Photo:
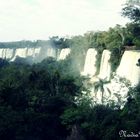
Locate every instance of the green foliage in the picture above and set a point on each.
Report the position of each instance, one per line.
(3, 62)
(132, 12)
(35, 97)
(102, 122)
(134, 33)
(98, 122)
(115, 58)
(59, 43)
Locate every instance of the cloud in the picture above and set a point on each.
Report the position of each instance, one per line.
(39, 19)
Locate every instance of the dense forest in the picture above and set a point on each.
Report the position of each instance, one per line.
(49, 100)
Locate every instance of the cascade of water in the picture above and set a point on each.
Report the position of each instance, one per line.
(6, 53)
(1, 53)
(113, 92)
(30, 52)
(25, 52)
(90, 61)
(51, 52)
(128, 67)
(105, 68)
(64, 53)
(21, 52)
(9, 53)
(119, 86)
(37, 51)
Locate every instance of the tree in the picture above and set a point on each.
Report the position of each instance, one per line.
(132, 12)
(99, 86)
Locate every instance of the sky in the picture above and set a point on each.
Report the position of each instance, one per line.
(40, 19)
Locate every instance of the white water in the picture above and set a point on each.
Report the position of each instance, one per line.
(128, 68)
(114, 92)
(105, 68)
(90, 61)
(25, 52)
(51, 52)
(20, 52)
(37, 51)
(1, 53)
(118, 86)
(30, 52)
(64, 53)
(9, 53)
(6, 53)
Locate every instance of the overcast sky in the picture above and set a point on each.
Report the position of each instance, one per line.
(39, 19)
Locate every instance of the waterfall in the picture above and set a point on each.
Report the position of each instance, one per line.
(9, 53)
(90, 61)
(105, 68)
(64, 53)
(20, 52)
(44, 52)
(51, 52)
(128, 68)
(31, 52)
(6, 53)
(1, 53)
(37, 51)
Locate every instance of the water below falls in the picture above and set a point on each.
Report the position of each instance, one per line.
(118, 87)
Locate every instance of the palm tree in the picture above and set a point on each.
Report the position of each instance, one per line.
(100, 86)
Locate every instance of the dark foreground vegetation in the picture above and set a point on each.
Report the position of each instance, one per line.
(45, 102)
